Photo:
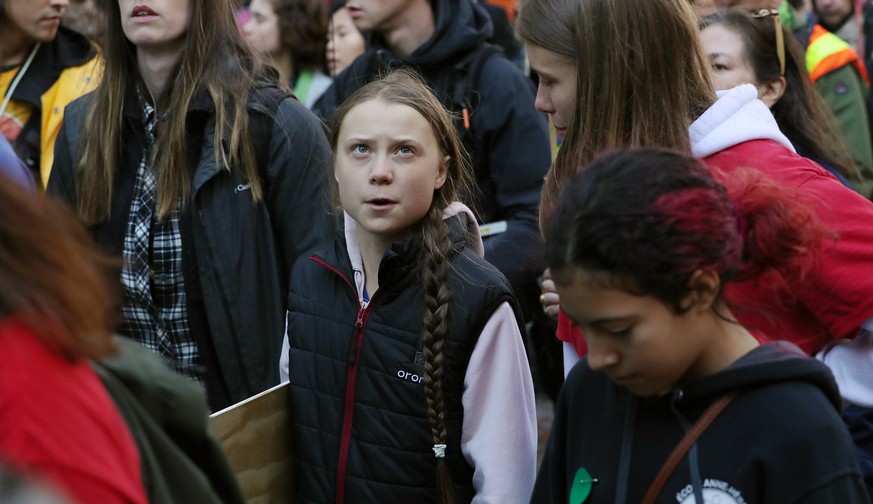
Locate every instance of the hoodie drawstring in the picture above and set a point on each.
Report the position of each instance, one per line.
(696, 482)
(627, 444)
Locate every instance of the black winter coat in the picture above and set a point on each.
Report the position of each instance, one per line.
(237, 254)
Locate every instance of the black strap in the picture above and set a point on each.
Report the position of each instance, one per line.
(460, 94)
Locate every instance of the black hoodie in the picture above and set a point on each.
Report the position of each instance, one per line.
(780, 441)
(511, 137)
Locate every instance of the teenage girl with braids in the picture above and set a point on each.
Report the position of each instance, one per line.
(641, 246)
(409, 378)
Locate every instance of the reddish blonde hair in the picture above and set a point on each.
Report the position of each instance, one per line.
(52, 278)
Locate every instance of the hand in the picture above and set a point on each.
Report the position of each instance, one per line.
(550, 299)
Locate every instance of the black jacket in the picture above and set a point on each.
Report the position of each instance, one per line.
(237, 255)
(781, 440)
(363, 368)
(512, 139)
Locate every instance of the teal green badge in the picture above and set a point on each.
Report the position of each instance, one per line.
(581, 488)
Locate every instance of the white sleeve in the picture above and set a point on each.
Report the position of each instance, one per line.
(499, 433)
(284, 357)
(570, 357)
(851, 362)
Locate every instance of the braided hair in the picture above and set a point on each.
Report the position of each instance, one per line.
(404, 87)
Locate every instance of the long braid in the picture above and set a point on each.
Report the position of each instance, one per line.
(437, 299)
(403, 86)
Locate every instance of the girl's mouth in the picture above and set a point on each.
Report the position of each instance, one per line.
(381, 203)
(142, 11)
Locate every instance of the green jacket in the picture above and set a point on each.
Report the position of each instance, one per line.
(182, 459)
(844, 92)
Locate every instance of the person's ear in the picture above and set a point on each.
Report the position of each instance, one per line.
(443, 172)
(703, 288)
(771, 91)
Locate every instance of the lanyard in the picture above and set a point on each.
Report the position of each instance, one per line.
(17, 79)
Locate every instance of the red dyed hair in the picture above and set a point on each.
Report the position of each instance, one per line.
(782, 230)
(652, 217)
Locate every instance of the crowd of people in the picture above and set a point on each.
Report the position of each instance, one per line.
(387, 204)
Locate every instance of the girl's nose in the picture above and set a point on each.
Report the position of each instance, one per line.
(382, 172)
(601, 355)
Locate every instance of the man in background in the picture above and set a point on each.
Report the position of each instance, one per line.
(43, 67)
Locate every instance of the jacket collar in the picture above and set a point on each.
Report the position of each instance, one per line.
(68, 49)
(202, 102)
(402, 254)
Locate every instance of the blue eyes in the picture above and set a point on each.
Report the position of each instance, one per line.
(403, 150)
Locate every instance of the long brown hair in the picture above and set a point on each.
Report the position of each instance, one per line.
(404, 87)
(51, 276)
(215, 61)
(801, 112)
(641, 76)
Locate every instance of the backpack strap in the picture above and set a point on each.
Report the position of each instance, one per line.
(463, 97)
(464, 94)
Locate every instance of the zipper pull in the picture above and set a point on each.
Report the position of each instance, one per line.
(359, 322)
(359, 326)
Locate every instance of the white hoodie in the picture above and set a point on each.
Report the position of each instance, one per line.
(736, 117)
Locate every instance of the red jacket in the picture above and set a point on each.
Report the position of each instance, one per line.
(58, 423)
(835, 296)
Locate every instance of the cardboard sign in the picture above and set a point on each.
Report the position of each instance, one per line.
(255, 434)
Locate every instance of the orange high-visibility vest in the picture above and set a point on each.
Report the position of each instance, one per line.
(826, 52)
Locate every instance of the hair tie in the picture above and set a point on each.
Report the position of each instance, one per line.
(439, 450)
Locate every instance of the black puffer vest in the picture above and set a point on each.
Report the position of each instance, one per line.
(358, 404)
